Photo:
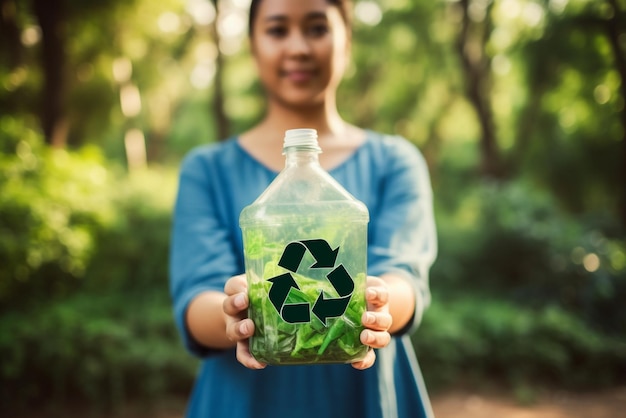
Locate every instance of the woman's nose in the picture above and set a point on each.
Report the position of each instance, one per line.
(298, 44)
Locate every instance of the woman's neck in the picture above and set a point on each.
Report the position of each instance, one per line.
(337, 138)
(323, 117)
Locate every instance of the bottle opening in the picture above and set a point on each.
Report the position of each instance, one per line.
(301, 138)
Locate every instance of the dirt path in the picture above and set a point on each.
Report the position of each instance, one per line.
(449, 404)
(457, 404)
(464, 404)
(609, 404)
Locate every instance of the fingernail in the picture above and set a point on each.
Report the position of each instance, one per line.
(370, 318)
(240, 301)
(243, 328)
(370, 293)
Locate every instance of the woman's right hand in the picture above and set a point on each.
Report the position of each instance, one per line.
(239, 328)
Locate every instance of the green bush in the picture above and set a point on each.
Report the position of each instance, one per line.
(83, 283)
(480, 340)
(51, 204)
(69, 220)
(525, 293)
(513, 242)
(95, 349)
(132, 252)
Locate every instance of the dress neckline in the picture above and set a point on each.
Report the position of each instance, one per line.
(357, 150)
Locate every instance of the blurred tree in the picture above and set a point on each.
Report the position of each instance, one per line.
(11, 50)
(616, 32)
(43, 61)
(570, 135)
(52, 18)
(473, 36)
(217, 108)
(485, 87)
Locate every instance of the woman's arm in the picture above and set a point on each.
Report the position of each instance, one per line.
(201, 259)
(206, 321)
(402, 242)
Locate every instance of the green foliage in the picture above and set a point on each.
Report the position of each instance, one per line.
(190, 128)
(99, 349)
(479, 340)
(69, 221)
(525, 293)
(576, 134)
(526, 249)
(278, 342)
(85, 312)
(51, 204)
(132, 251)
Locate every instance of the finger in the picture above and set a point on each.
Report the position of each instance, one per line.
(236, 284)
(377, 297)
(375, 339)
(235, 305)
(377, 321)
(246, 358)
(367, 362)
(239, 330)
(375, 281)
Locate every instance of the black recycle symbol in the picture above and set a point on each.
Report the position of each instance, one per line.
(323, 307)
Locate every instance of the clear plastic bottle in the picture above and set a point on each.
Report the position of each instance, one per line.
(305, 250)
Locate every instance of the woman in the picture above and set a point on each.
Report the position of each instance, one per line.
(301, 49)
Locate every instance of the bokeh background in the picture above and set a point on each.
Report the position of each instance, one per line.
(517, 105)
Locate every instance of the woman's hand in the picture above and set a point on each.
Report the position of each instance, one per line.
(377, 320)
(239, 328)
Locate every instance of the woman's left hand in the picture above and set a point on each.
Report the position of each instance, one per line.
(377, 320)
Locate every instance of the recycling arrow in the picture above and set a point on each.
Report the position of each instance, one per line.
(323, 308)
(320, 250)
(330, 308)
(341, 280)
(292, 313)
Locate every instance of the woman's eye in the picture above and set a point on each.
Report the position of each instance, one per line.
(318, 30)
(276, 31)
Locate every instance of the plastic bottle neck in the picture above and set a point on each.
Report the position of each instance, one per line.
(301, 147)
(298, 156)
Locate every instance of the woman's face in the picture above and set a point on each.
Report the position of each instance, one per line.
(301, 50)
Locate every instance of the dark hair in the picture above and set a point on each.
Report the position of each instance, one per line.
(344, 7)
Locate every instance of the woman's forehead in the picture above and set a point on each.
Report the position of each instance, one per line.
(289, 9)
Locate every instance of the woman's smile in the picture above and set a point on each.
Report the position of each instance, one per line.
(299, 75)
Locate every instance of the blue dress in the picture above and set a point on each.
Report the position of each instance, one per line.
(217, 181)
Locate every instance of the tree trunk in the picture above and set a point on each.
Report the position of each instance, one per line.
(50, 15)
(221, 120)
(10, 34)
(476, 70)
(614, 33)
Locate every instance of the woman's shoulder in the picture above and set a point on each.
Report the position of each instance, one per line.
(211, 153)
(389, 141)
(212, 150)
(393, 147)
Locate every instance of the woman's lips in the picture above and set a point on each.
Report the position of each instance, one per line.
(299, 76)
